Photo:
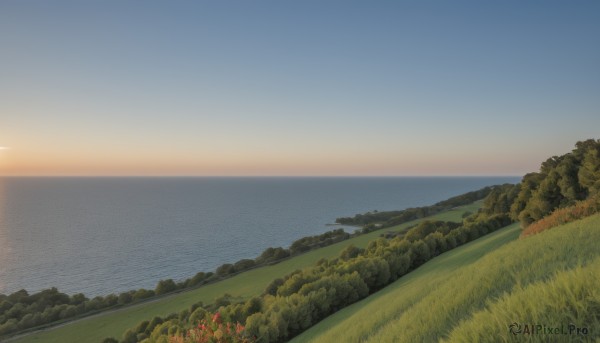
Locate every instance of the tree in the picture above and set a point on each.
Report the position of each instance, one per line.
(295, 282)
(299, 246)
(544, 199)
(273, 286)
(252, 306)
(350, 252)
(437, 243)
(589, 173)
(197, 315)
(9, 327)
(197, 279)
(165, 286)
(26, 321)
(18, 296)
(280, 253)
(528, 185)
(225, 269)
(568, 181)
(78, 298)
(153, 323)
(500, 199)
(398, 263)
(421, 253)
(16, 311)
(129, 337)
(111, 300)
(272, 254)
(125, 298)
(244, 264)
(5, 306)
(142, 294)
(68, 312)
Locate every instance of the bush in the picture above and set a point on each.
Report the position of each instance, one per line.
(214, 330)
(129, 337)
(165, 286)
(244, 264)
(349, 252)
(124, 298)
(225, 269)
(197, 279)
(273, 286)
(142, 294)
(564, 215)
(420, 254)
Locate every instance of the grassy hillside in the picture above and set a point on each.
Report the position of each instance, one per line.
(245, 285)
(549, 279)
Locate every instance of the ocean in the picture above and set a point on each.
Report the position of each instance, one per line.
(107, 235)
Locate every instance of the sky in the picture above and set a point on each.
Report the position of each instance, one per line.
(295, 88)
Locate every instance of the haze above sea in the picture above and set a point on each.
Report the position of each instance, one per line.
(107, 235)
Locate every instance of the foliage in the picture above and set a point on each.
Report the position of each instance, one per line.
(165, 286)
(561, 216)
(311, 242)
(21, 310)
(589, 173)
(376, 220)
(561, 182)
(427, 227)
(214, 331)
(500, 199)
(270, 255)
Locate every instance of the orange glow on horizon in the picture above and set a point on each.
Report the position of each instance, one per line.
(28, 163)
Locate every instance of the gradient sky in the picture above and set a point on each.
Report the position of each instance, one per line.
(295, 87)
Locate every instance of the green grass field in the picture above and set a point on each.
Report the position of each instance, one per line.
(244, 285)
(473, 293)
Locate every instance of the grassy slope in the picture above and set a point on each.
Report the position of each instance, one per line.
(245, 285)
(463, 298)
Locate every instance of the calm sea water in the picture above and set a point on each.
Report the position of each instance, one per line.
(104, 235)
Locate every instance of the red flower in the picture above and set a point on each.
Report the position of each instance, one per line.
(217, 318)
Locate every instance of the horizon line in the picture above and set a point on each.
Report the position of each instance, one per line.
(257, 176)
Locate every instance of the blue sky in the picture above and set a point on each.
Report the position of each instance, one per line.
(295, 87)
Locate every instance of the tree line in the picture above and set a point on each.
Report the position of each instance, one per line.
(375, 219)
(291, 304)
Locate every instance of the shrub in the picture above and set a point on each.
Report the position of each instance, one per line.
(125, 298)
(214, 330)
(273, 286)
(142, 294)
(244, 264)
(349, 252)
(225, 269)
(165, 286)
(565, 215)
